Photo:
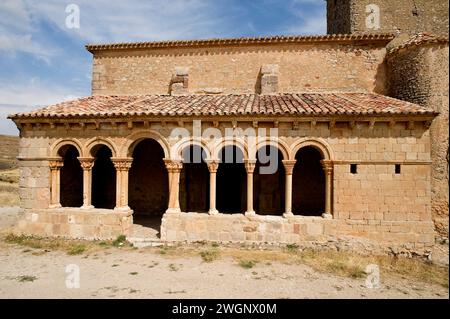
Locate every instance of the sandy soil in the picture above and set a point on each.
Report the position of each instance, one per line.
(145, 273)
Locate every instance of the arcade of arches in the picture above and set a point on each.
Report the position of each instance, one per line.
(150, 185)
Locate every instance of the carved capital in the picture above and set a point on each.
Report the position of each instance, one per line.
(173, 166)
(250, 165)
(213, 165)
(122, 164)
(327, 166)
(86, 163)
(55, 164)
(289, 166)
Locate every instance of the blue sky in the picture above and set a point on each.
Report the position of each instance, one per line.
(43, 62)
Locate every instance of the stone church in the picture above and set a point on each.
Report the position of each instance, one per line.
(283, 139)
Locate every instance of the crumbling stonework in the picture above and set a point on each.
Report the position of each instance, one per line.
(419, 74)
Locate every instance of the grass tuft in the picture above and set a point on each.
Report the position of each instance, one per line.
(210, 255)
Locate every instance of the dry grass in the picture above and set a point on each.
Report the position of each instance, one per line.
(71, 247)
(346, 264)
(9, 195)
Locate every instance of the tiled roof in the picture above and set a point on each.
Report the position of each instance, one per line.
(288, 104)
(419, 39)
(385, 37)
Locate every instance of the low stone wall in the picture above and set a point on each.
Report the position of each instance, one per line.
(415, 235)
(76, 223)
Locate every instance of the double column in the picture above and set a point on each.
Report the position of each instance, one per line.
(174, 168)
(213, 165)
(288, 169)
(87, 163)
(55, 168)
(250, 168)
(122, 166)
(328, 169)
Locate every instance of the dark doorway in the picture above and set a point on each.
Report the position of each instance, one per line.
(308, 183)
(194, 181)
(269, 182)
(71, 178)
(231, 188)
(148, 184)
(103, 178)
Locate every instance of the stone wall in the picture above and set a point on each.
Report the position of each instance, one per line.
(420, 75)
(191, 227)
(399, 16)
(374, 203)
(75, 223)
(301, 67)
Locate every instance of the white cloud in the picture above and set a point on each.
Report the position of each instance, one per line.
(26, 96)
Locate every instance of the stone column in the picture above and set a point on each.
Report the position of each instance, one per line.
(250, 167)
(55, 169)
(122, 166)
(328, 169)
(174, 168)
(288, 168)
(212, 167)
(87, 163)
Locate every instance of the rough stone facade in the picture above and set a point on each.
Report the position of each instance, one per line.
(399, 16)
(382, 162)
(322, 66)
(420, 75)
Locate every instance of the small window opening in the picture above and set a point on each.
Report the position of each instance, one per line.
(353, 168)
(397, 168)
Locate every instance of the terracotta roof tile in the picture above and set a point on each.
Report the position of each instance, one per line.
(384, 37)
(419, 39)
(307, 104)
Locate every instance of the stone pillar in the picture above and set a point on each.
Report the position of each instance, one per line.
(212, 167)
(269, 79)
(174, 168)
(250, 167)
(55, 169)
(122, 166)
(179, 81)
(328, 169)
(87, 163)
(288, 168)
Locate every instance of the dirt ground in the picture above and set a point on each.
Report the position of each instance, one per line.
(36, 271)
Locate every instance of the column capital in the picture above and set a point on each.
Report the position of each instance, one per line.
(173, 166)
(327, 165)
(289, 166)
(86, 162)
(250, 165)
(213, 165)
(55, 164)
(122, 164)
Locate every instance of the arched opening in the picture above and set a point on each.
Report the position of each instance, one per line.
(148, 184)
(71, 177)
(194, 180)
(308, 183)
(103, 178)
(231, 181)
(269, 182)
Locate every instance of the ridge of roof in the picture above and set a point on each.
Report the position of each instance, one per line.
(281, 104)
(240, 41)
(419, 39)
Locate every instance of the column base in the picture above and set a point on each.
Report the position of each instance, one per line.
(55, 206)
(251, 213)
(213, 212)
(87, 207)
(123, 208)
(173, 211)
(288, 214)
(327, 216)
